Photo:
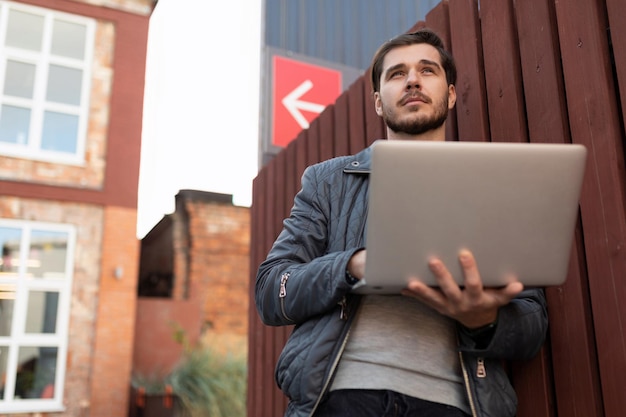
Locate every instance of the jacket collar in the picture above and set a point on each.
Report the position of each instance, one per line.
(359, 163)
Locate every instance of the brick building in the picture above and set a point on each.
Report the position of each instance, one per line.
(194, 274)
(71, 98)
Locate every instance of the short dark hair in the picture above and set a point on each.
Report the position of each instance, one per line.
(420, 36)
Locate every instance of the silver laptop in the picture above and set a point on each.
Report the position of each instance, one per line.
(514, 205)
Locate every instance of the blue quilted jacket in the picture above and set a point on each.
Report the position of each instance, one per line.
(302, 283)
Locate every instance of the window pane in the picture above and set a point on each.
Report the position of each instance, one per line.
(64, 85)
(7, 303)
(41, 316)
(60, 132)
(36, 372)
(19, 79)
(10, 238)
(47, 254)
(14, 124)
(25, 30)
(68, 39)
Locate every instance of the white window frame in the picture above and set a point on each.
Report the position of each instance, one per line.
(23, 286)
(38, 104)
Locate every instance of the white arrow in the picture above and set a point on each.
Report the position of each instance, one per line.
(293, 104)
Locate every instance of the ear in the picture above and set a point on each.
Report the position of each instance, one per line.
(451, 96)
(378, 104)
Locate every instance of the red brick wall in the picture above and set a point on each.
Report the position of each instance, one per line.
(116, 314)
(219, 236)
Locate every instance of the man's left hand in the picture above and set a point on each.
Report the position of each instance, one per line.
(473, 305)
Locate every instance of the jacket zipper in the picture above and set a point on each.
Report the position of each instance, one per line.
(343, 316)
(283, 293)
(332, 372)
(480, 373)
(343, 313)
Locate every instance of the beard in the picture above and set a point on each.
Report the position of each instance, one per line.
(417, 124)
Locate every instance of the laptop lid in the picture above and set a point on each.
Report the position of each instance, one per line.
(514, 205)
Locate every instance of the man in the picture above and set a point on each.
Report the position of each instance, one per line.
(426, 352)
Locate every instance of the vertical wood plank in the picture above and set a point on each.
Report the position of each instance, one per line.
(269, 222)
(594, 122)
(290, 177)
(313, 144)
(326, 133)
(505, 99)
(466, 44)
(310, 142)
(574, 358)
(542, 72)
(617, 25)
(374, 125)
(280, 190)
(301, 157)
(356, 109)
(341, 132)
(534, 395)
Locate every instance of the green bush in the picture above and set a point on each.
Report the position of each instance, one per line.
(209, 384)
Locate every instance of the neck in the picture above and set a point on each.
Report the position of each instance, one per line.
(438, 134)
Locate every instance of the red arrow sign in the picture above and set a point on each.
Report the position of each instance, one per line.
(301, 92)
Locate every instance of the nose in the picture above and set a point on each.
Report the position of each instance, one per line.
(413, 80)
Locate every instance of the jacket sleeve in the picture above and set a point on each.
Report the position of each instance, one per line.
(299, 279)
(520, 331)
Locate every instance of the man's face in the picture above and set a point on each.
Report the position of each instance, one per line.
(414, 96)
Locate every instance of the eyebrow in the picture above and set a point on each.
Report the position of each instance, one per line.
(427, 62)
(431, 63)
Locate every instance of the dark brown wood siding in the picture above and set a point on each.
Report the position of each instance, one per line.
(529, 71)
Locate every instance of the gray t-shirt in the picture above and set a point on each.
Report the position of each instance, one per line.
(397, 343)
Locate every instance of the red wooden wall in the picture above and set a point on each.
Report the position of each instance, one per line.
(529, 71)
